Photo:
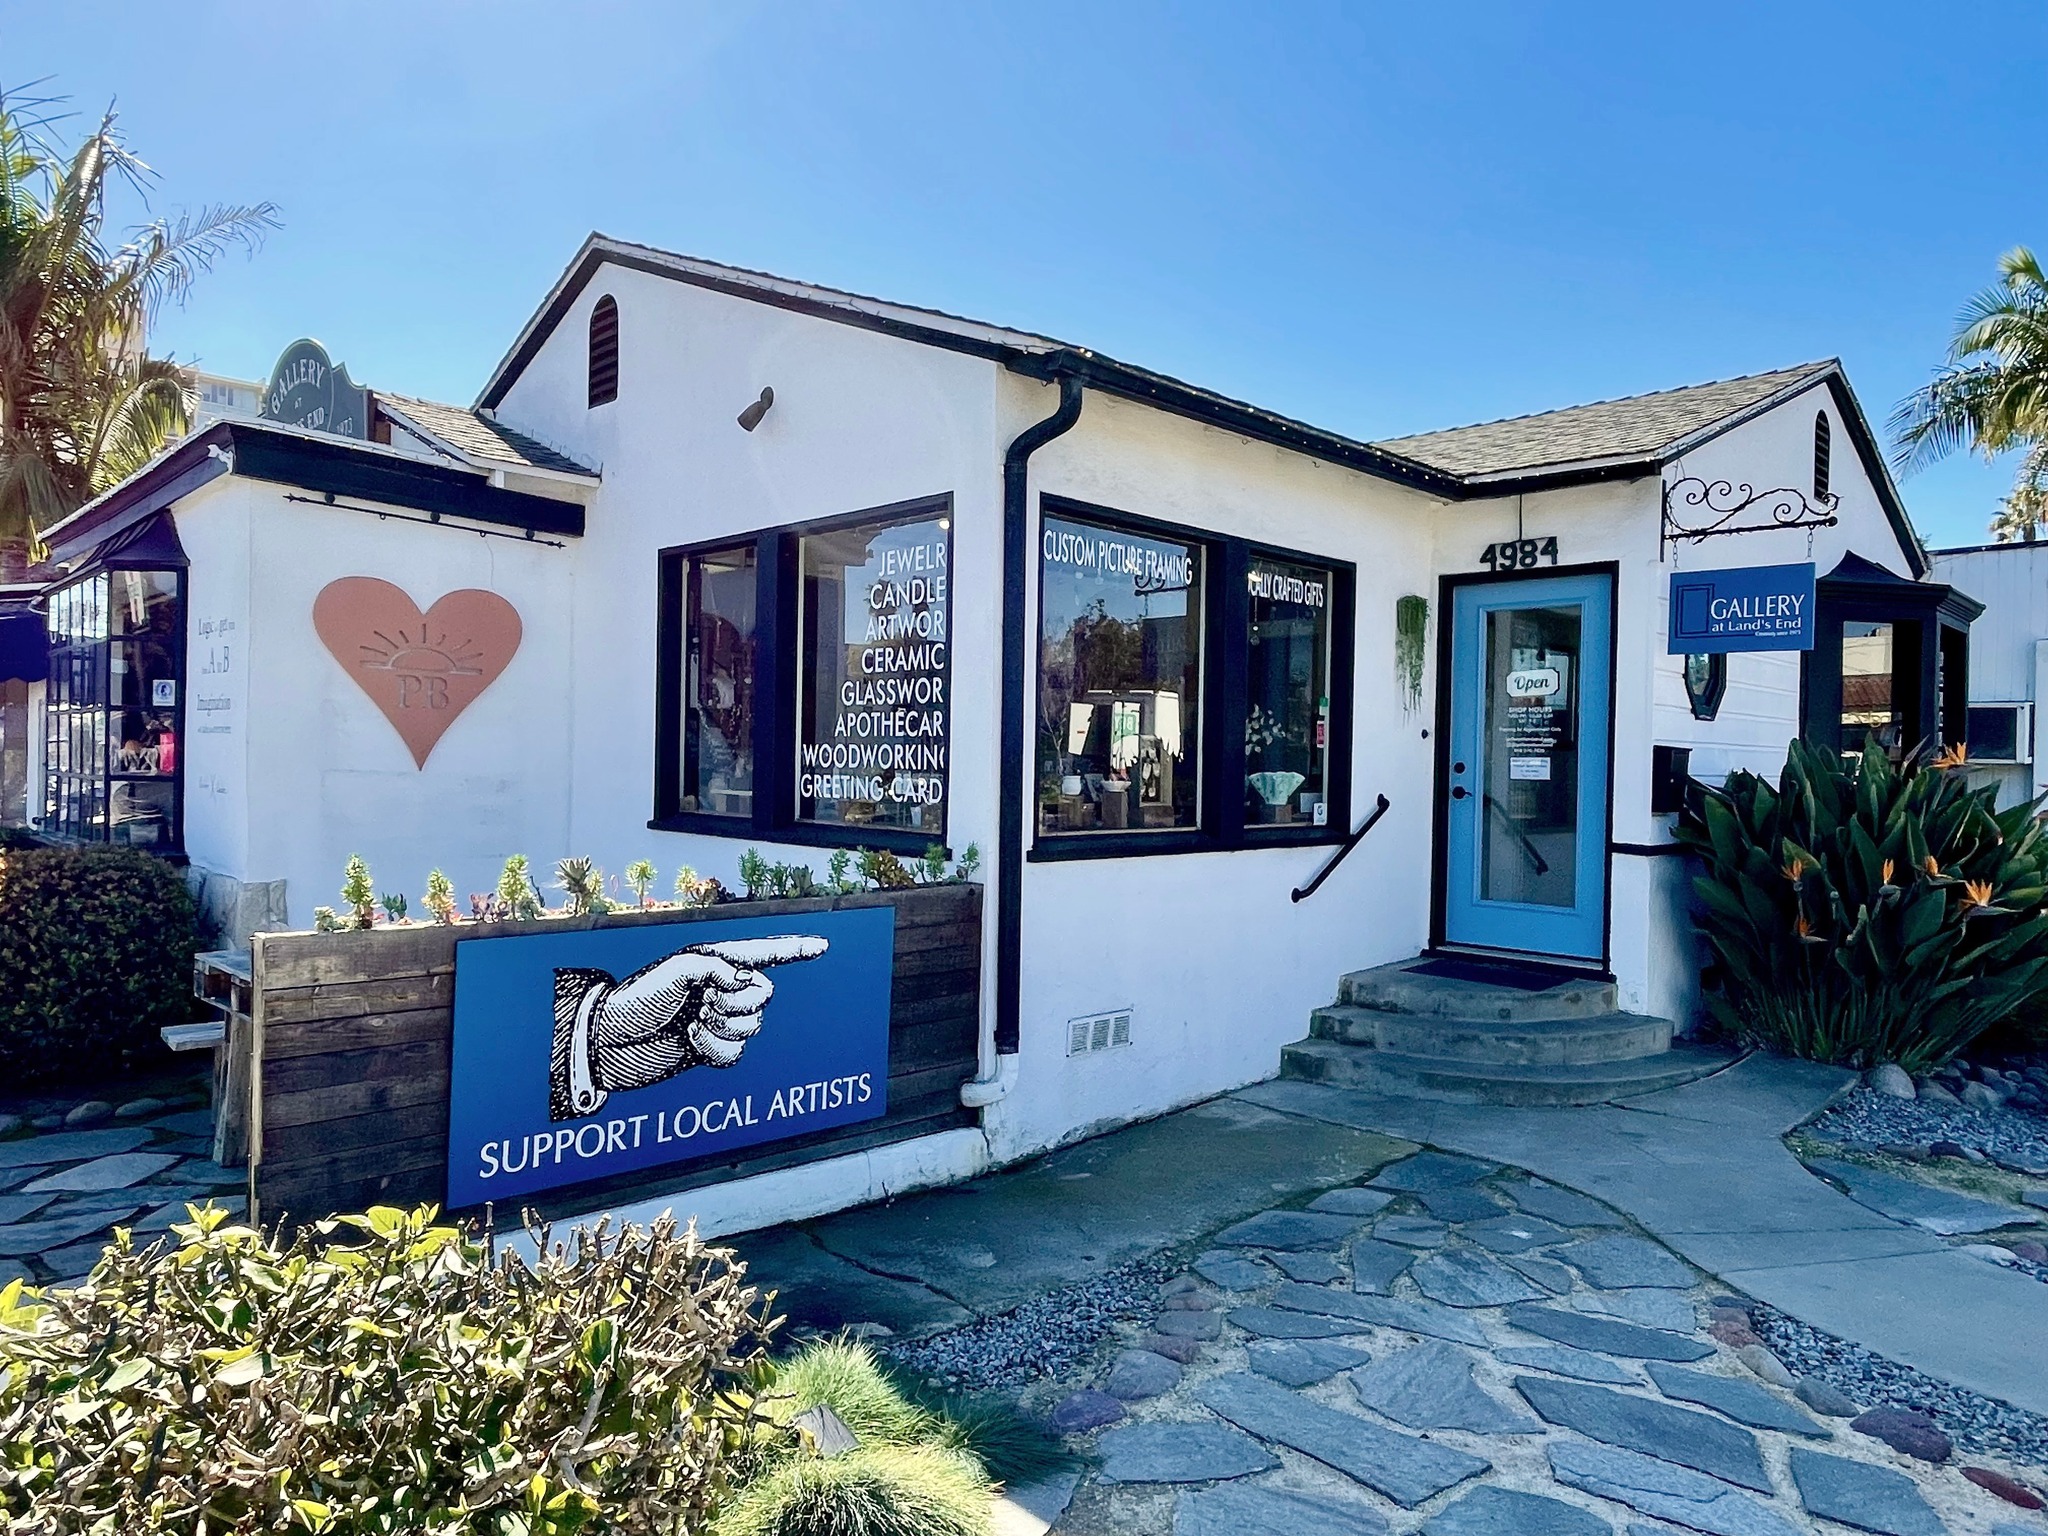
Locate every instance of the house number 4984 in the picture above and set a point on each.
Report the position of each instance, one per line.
(1519, 554)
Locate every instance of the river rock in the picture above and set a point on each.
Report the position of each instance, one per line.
(90, 1113)
(2001, 1486)
(138, 1109)
(1907, 1431)
(1184, 1350)
(1891, 1080)
(1824, 1399)
(1981, 1097)
(1764, 1364)
(1079, 1412)
(1928, 1089)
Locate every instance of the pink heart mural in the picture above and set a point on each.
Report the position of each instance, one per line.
(422, 669)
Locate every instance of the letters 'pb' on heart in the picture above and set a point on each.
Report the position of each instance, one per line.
(421, 669)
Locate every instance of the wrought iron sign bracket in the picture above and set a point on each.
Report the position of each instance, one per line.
(1696, 509)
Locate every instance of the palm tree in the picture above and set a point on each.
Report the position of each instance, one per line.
(82, 403)
(1993, 394)
(2020, 516)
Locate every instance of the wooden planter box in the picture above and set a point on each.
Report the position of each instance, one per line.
(352, 1034)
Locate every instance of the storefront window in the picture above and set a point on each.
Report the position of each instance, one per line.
(874, 676)
(114, 706)
(718, 715)
(1869, 708)
(1119, 675)
(1287, 717)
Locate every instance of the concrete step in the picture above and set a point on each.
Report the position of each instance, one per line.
(1544, 1042)
(1377, 1071)
(1401, 988)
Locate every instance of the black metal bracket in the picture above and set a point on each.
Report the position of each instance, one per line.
(1719, 506)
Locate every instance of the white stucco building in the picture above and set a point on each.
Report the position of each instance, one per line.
(1184, 646)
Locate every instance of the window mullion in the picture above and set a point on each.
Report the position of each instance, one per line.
(775, 664)
(1228, 644)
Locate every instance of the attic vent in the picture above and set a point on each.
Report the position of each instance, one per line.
(1099, 1032)
(1823, 452)
(604, 352)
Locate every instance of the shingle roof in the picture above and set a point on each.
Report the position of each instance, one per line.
(477, 437)
(1645, 427)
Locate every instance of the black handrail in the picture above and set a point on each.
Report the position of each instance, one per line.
(1303, 892)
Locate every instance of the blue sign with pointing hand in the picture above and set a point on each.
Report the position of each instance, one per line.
(1746, 608)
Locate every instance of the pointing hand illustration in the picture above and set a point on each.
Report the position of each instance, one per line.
(697, 1007)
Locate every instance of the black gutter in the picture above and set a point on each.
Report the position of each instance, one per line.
(1010, 835)
(1179, 399)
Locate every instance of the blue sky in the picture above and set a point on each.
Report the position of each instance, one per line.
(1380, 218)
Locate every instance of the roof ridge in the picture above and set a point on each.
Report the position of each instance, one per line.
(1652, 394)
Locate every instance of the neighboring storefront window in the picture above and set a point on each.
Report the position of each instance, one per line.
(1287, 682)
(1869, 708)
(718, 710)
(1119, 679)
(874, 675)
(113, 709)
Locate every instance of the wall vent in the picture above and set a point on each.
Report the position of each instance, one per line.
(1099, 1032)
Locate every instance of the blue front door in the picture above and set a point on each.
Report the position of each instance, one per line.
(1525, 864)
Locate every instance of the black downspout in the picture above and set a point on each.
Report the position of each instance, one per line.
(1010, 839)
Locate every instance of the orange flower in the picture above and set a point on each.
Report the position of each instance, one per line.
(1976, 893)
(1932, 866)
(1955, 755)
(1794, 870)
(1887, 873)
(1802, 927)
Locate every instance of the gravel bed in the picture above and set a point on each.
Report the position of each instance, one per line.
(1877, 1119)
(1047, 1336)
(1976, 1424)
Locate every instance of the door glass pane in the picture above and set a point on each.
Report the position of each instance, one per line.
(1529, 779)
(1869, 706)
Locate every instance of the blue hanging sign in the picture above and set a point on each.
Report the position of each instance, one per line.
(1746, 608)
(582, 1055)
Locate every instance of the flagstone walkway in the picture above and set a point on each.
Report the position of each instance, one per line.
(64, 1189)
(1456, 1349)
(1704, 1168)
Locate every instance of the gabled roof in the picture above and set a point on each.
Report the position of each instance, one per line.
(1638, 428)
(477, 438)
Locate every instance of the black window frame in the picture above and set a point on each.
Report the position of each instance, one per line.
(1823, 457)
(80, 685)
(1705, 701)
(1220, 821)
(778, 642)
(607, 391)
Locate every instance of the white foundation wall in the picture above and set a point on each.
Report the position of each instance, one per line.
(328, 776)
(1218, 966)
(860, 420)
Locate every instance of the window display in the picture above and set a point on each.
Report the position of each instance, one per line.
(874, 674)
(1287, 714)
(718, 679)
(1119, 679)
(112, 716)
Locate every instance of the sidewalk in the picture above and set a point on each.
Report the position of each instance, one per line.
(1702, 1168)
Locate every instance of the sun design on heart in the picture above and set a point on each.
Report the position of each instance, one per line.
(421, 656)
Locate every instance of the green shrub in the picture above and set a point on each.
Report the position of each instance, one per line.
(1862, 913)
(96, 950)
(381, 1374)
(878, 1490)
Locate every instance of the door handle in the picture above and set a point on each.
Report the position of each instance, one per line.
(1459, 792)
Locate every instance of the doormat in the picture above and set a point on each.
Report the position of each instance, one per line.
(1523, 978)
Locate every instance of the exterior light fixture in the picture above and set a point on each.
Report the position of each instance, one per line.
(750, 418)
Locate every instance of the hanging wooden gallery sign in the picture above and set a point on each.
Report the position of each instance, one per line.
(587, 1054)
(421, 669)
(309, 390)
(1747, 608)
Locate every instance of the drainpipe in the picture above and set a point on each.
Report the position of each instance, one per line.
(1010, 831)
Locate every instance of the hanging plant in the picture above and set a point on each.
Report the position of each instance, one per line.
(1411, 625)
